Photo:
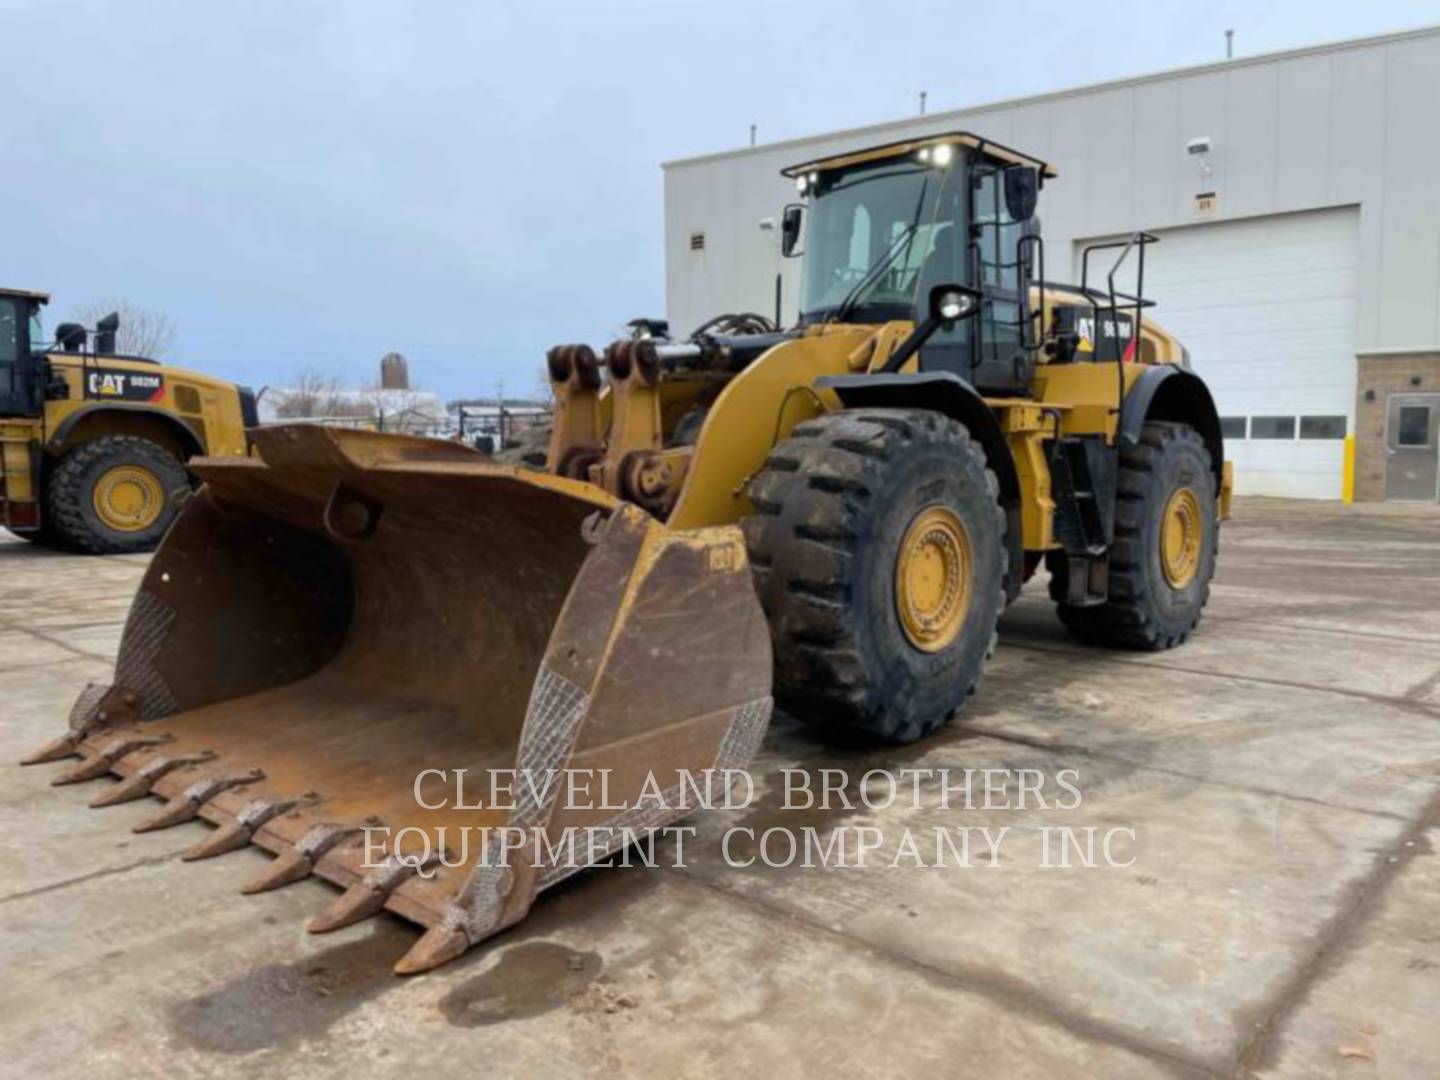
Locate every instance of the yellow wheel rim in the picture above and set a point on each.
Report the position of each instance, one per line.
(932, 579)
(128, 498)
(1182, 529)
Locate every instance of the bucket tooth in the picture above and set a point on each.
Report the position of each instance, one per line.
(67, 745)
(289, 866)
(358, 902)
(103, 761)
(91, 768)
(366, 897)
(86, 714)
(138, 784)
(176, 812)
(295, 864)
(225, 839)
(127, 790)
(438, 945)
(187, 806)
(237, 834)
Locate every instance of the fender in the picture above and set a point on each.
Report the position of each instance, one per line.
(1166, 392)
(183, 433)
(945, 392)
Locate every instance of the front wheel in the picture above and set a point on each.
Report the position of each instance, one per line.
(1166, 529)
(878, 547)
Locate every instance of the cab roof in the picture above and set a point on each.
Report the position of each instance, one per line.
(26, 294)
(990, 149)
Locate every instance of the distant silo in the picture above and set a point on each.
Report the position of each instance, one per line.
(394, 372)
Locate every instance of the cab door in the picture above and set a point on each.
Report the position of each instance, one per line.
(1001, 270)
(18, 392)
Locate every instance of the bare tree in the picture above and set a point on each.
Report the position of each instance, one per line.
(399, 410)
(143, 331)
(313, 394)
(543, 390)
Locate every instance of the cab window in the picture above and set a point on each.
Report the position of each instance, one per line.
(9, 330)
(11, 372)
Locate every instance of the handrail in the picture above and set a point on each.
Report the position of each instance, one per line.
(1135, 240)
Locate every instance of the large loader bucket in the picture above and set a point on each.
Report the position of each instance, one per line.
(326, 639)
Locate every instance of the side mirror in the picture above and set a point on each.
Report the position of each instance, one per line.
(951, 303)
(1022, 191)
(790, 225)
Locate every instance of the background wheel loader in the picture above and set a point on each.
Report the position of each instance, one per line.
(93, 444)
(837, 512)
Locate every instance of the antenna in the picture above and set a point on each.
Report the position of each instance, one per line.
(1229, 44)
(923, 95)
(752, 134)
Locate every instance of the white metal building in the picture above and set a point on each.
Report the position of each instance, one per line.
(1299, 257)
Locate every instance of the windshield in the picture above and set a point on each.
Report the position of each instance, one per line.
(874, 235)
(37, 329)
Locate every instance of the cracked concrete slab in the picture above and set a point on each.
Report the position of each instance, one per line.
(624, 974)
(1371, 1010)
(19, 649)
(1224, 889)
(1361, 752)
(1274, 650)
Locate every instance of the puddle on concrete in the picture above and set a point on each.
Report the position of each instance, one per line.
(528, 980)
(279, 1004)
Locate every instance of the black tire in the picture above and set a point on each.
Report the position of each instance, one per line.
(833, 503)
(1144, 610)
(41, 537)
(70, 497)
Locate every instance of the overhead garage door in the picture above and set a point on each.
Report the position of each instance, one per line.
(1267, 309)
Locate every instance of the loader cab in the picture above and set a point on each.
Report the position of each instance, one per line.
(884, 227)
(21, 370)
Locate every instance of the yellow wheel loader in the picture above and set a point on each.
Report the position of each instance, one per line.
(93, 444)
(386, 660)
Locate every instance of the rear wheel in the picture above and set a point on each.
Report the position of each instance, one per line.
(113, 495)
(1166, 530)
(878, 547)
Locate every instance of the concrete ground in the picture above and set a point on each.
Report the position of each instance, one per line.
(1281, 773)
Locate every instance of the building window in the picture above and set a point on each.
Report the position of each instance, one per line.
(1414, 426)
(1272, 427)
(1232, 427)
(1322, 427)
(697, 241)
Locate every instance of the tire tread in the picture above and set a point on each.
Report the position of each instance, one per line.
(805, 535)
(1127, 619)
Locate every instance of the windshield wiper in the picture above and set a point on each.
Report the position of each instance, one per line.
(852, 298)
(901, 242)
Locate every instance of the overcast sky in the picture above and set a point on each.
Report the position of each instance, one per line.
(310, 185)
